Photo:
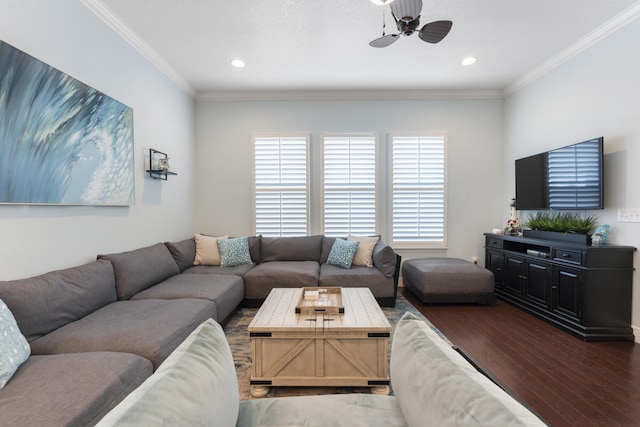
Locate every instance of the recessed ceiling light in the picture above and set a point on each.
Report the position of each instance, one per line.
(469, 61)
(381, 2)
(238, 63)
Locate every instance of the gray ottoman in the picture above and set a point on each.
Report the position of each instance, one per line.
(448, 280)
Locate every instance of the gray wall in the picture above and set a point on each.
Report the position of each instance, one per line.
(69, 37)
(596, 93)
(474, 128)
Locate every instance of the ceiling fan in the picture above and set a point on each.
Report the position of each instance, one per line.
(406, 13)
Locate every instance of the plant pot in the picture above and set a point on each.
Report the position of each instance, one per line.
(580, 239)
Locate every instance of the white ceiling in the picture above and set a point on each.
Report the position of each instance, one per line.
(322, 45)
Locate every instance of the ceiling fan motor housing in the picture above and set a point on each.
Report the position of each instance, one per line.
(408, 27)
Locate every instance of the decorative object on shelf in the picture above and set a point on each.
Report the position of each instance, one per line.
(513, 226)
(159, 165)
(63, 142)
(564, 226)
(601, 235)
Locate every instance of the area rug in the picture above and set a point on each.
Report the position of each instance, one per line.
(238, 337)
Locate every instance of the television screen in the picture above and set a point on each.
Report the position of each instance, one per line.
(567, 178)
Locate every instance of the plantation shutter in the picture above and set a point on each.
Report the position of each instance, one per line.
(418, 190)
(281, 176)
(574, 176)
(349, 185)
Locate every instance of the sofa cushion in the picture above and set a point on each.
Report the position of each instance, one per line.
(364, 254)
(342, 253)
(149, 328)
(384, 258)
(304, 248)
(207, 252)
(43, 303)
(234, 252)
(327, 244)
(14, 349)
(141, 268)
(226, 291)
(279, 274)
(76, 389)
(238, 270)
(380, 285)
(434, 385)
(322, 411)
(195, 386)
(183, 252)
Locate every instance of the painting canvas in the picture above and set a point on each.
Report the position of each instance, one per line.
(61, 141)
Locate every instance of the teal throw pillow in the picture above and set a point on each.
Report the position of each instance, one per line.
(14, 348)
(234, 251)
(342, 253)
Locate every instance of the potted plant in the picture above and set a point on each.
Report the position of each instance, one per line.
(566, 226)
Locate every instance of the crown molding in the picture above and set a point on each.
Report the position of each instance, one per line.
(120, 28)
(606, 29)
(345, 95)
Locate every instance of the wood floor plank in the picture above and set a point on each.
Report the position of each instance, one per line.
(567, 381)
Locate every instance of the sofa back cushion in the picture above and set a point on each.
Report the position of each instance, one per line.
(43, 303)
(196, 386)
(183, 252)
(140, 269)
(304, 248)
(434, 385)
(384, 258)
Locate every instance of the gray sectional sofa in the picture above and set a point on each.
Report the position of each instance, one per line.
(433, 385)
(99, 330)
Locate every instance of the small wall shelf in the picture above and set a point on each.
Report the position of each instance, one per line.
(158, 165)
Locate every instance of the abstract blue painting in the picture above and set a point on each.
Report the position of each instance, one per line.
(61, 141)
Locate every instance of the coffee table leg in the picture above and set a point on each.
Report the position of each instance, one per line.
(259, 390)
(381, 390)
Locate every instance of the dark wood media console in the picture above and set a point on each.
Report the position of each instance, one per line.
(584, 290)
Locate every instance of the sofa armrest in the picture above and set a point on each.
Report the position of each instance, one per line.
(435, 384)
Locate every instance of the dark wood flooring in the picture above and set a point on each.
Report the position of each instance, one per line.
(566, 381)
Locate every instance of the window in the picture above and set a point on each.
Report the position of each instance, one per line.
(281, 200)
(418, 188)
(349, 185)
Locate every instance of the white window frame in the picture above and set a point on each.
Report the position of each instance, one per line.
(376, 207)
(419, 244)
(304, 136)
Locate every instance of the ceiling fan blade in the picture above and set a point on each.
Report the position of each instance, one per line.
(384, 41)
(435, 31)
(406, 10)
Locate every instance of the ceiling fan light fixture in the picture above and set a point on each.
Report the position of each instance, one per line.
(470, 60)
(381, 2)
(237, 63)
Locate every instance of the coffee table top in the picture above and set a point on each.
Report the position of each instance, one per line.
(361, 312)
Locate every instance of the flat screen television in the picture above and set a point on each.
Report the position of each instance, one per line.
(567, 178)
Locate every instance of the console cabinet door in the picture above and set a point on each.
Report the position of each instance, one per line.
(567, 292)
(513, 275)
(537, 287)
(494, 264)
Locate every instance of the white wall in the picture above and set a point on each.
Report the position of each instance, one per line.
(67, 36)
(596, 93)
(474, 127)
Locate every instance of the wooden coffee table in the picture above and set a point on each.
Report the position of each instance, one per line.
(348, 349)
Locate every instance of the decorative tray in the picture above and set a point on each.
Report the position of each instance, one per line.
(320, 300)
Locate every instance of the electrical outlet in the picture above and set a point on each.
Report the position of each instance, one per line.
(628, 215)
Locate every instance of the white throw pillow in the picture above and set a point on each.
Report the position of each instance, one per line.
(364, 254)
(207, 252)
(14, 348)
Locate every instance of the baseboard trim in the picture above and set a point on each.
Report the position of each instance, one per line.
(636, 333)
